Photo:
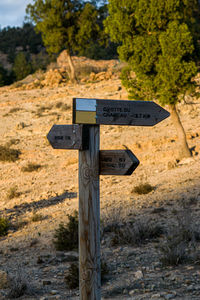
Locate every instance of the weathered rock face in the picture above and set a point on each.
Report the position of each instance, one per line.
(62, 62)
(53, 78)
(87, 70)
(4, 280)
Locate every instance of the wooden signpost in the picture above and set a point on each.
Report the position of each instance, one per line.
(84, 135)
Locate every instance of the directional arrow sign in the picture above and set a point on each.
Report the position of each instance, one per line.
(117, 112)
(117, 162)
(68, 137)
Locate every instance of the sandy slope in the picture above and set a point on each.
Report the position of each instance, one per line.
(52, 190)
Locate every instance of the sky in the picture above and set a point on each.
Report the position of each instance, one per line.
(12, 12)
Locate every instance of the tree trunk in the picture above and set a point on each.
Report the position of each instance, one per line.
(72, 74)
(184, 149)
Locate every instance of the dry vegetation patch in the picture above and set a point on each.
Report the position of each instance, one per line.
(4, 226)
(143, 188)
(31, 167)
(8, 154)
(13, 193)
(66, 236)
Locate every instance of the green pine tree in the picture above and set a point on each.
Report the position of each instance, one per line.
(21, 67)
(65, 24)
(159, 43)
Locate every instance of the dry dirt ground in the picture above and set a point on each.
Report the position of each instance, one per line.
(135, 272)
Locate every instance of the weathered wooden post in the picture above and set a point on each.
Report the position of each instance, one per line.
(89, 219)
(84, 135)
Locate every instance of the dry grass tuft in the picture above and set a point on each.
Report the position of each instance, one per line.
(143, 189)
(31, 167)
(19, 284)
(62, 106)
(13, 193)
(180, 243)
(36, 217)
(9, 155)
(120, 229)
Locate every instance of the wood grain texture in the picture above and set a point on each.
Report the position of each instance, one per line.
(89, 219)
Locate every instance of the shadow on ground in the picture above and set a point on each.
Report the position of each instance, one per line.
(22, 208)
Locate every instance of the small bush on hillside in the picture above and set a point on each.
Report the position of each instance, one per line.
(17, 84)
(104, 271)
(19, 285)
(19, 223)
(14, 109)
(180, 243)
(173, 250)
(143, 188)
(66, 236)
(36, 217)
(4, 226)
(13, 193)
(31, 167)
(7, 154)
(72, 276)
(135, 233)
(12, 142)
(62, 106)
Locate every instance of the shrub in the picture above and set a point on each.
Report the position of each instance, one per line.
(18, 284)
(143, 188)
(72, 276)
(13, 193)
(19, 223)
(12, 142)
(135, 233)
(180, 243)
(66, 236)
(62, 106)
(173, 251)
(14, 109)
(36, 217)
(31, 167)
(4, 226)
(7, 154)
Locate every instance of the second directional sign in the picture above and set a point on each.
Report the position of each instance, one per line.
(117, 112)
(117, 162)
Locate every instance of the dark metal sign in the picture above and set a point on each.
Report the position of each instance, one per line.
(117, 162)
(68, 137)
(117, 112)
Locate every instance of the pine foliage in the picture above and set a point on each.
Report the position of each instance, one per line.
(66, 24)
(158, 39)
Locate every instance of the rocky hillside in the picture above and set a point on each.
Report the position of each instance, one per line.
(144, 216)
